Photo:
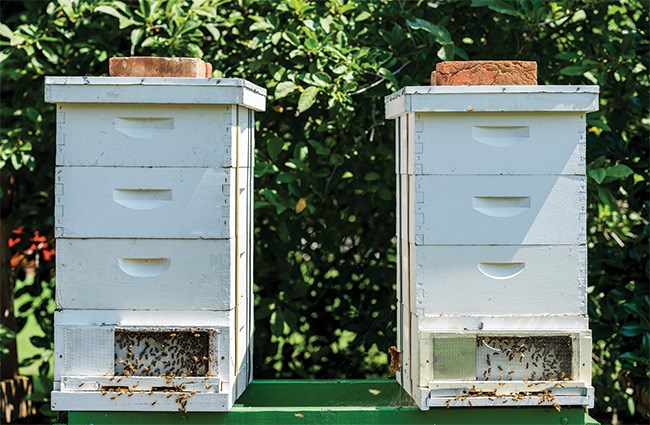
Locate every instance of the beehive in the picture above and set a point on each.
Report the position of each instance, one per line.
(153, 220)
(492, 291)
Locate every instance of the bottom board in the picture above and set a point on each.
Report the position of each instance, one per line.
(340, 402)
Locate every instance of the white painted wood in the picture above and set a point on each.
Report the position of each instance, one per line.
(104, 202)
(85, 347)
(140, 383)
(497, 143)
(493, 280)
(89, 349)
(141, 401)
(504, 321)
(153, 135)
(168, 274)
(585, 400)
(124, 90)
(145, 318)
(427, 388)
(470, 99)
(486, 210)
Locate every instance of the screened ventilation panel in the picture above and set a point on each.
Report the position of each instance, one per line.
(503, 358)
(162, 353)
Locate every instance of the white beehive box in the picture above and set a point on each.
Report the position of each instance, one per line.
(153, 219)
(492, 290)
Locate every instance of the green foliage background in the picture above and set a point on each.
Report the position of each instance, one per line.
(325, 275)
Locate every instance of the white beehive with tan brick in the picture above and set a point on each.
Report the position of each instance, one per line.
(153, 221)
(492, 290)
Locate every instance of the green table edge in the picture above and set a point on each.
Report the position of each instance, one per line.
(338, 402)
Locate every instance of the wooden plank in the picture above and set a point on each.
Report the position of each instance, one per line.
(177, 203)
(498, 143)
(500, 280)
(146, 135)
(469, 99)
(167, 274)
(214, 91)
(499, 210)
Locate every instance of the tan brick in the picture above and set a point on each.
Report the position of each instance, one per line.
(485, 73)
(148, 66)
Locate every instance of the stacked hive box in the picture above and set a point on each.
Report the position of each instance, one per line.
(492, 287)
(153, 222)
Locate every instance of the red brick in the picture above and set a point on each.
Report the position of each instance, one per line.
(148, 66)
(485, 73)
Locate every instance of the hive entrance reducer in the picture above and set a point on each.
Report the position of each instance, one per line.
(180, 352)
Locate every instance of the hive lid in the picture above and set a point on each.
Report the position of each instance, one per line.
(492, 99)
(157, 90)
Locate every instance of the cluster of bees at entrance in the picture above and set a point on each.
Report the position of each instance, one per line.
(169, 355)
(526, 358)
(532, 360)
(544, 396)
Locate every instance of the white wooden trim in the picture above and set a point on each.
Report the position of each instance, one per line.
(492, 99)
(233, 91)
(140, 401)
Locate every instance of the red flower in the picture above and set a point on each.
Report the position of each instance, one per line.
(18, 231)
(15, 260)
(47, 254)
(38, 238)
(14, 242)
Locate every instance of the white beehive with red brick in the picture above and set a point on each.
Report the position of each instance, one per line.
(153, 221)
(492, 290)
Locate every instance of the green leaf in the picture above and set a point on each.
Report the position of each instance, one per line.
(5, 31)
(274, 147)
(618, 171)
(307, 98)
(597, 174)
(109, 10)
(503, 7)
(136, 36)
(284, 88)
(440, 34)
(40, 342)
(372, 176)
(286, 178)
(632, 329)
(363, 16)
(575, 70)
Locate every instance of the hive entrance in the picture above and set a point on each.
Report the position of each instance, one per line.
(535, 358)
(162, 353)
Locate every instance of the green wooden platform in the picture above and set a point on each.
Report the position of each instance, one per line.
(338, 402)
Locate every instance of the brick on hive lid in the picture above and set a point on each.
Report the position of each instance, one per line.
(149, 66)
(485, 73)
